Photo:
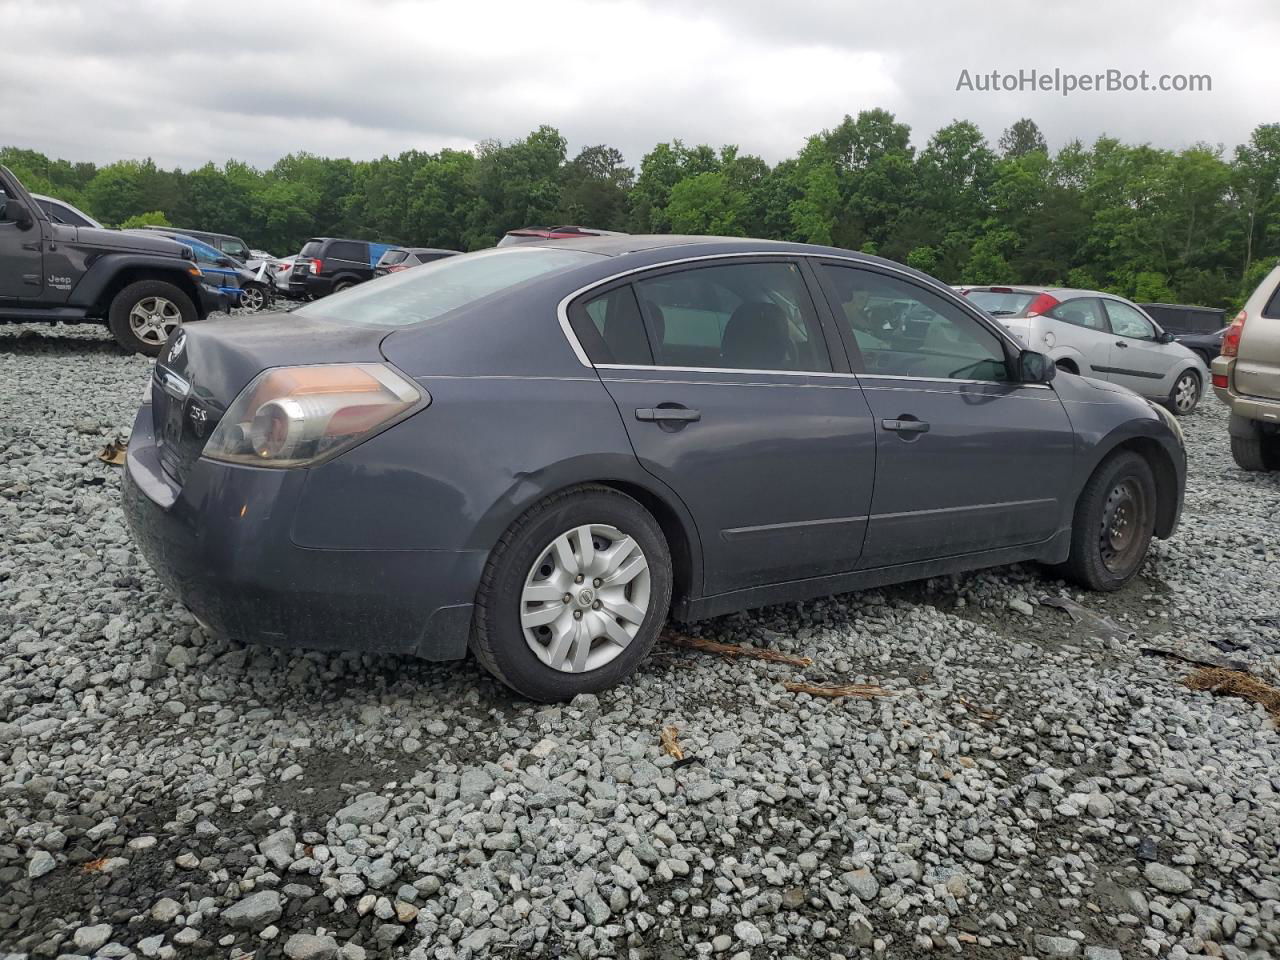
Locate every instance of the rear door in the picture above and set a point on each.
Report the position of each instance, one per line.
(1137, 360)
(966, 459)
(1256, 372)
(1082, 325)
(723, 376)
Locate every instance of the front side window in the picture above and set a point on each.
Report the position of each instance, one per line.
(1082, 312)
(744, 316)
(235, 248)
(1127, 321)
(904, 330)
(434, 289)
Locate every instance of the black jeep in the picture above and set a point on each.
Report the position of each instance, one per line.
(141, 287)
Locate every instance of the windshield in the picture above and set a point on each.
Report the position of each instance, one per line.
(1010, 303)
(204, 253)
(513, 239)
(430, 291)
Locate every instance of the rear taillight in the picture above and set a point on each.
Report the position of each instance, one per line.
(291, 416)
(1231, 339)
(396, 269)
(316, 265)
(1219, 380)
(1041, 304)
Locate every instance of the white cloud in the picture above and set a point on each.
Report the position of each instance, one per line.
(186, 82)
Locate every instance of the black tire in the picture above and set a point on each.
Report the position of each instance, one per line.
(341, 285)
(1172, 401)
(134, 294)
(1256, 454)
(498, 639)
(1091, 541)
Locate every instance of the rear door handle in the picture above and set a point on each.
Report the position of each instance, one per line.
(905, 425)
(677, 414)
(1121, 343)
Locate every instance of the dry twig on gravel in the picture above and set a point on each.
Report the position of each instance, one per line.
(1237, 684)
(865, 691)
(734, 650)
(671, 744)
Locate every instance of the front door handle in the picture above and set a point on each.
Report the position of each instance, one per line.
(1121, 343)
(674, 414)
(906, 424)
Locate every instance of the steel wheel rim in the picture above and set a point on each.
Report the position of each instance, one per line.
(1185, 392)
(1124, 520)
(253, 298)
(585, 598)
(152, 319)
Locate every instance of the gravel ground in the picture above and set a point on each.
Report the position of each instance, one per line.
(1030, 787)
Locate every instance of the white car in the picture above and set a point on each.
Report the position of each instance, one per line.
(1098, 335)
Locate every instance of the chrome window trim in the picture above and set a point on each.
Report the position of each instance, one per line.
(809, 373)
(562, 309)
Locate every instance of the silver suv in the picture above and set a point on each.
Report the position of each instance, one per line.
(1098, 335)
(1246, 377)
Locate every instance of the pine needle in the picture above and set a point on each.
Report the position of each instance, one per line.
(1237, 684)
(864, 691)
(735, 650)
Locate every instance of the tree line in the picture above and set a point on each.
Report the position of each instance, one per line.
(1199, 225)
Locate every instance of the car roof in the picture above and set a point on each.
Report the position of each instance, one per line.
(427, 249)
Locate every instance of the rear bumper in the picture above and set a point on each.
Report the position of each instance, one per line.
(1258, 409)
(314, 286)
(222, 543)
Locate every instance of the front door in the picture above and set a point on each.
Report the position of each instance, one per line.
(1138, 361)
(723, 376)
(966, 459)
(21, 257)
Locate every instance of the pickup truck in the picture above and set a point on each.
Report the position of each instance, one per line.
(141, 287)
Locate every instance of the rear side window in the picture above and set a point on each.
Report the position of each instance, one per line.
(1082, 312)
(311, 249)
(234, 248)
(740, 316)
(392, 257)
(348, 250)
(434, 289)
(1272, 309)
(611, 329)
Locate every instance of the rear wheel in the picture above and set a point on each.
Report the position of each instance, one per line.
(1114, 523)
(573, 596)
(143, 314)
(341, 285)
(1185, 393)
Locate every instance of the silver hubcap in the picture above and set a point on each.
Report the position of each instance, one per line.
(252, 298)
(585, 598)
(152, 319)
(1184, 392)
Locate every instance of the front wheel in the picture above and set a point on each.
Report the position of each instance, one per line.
(143, 314)
(574, 595)
(254, 297)
(1185, 393)
(1114, 523)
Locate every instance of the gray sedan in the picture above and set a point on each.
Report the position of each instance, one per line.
(540, 452)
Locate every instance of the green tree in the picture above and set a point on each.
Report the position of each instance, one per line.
(152, 218)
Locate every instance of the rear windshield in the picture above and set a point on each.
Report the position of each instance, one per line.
(393, 257)
(415, 296)
(310, 249)
(1012, 304)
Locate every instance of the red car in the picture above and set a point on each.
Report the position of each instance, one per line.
(535, 234)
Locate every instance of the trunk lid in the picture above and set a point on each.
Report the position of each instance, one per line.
(205, 365)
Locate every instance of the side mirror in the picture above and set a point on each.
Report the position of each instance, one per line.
(224, 262)
(17, 212)
(1165, 337)
(1035, 367)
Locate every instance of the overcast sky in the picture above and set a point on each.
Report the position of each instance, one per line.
(186, 83)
